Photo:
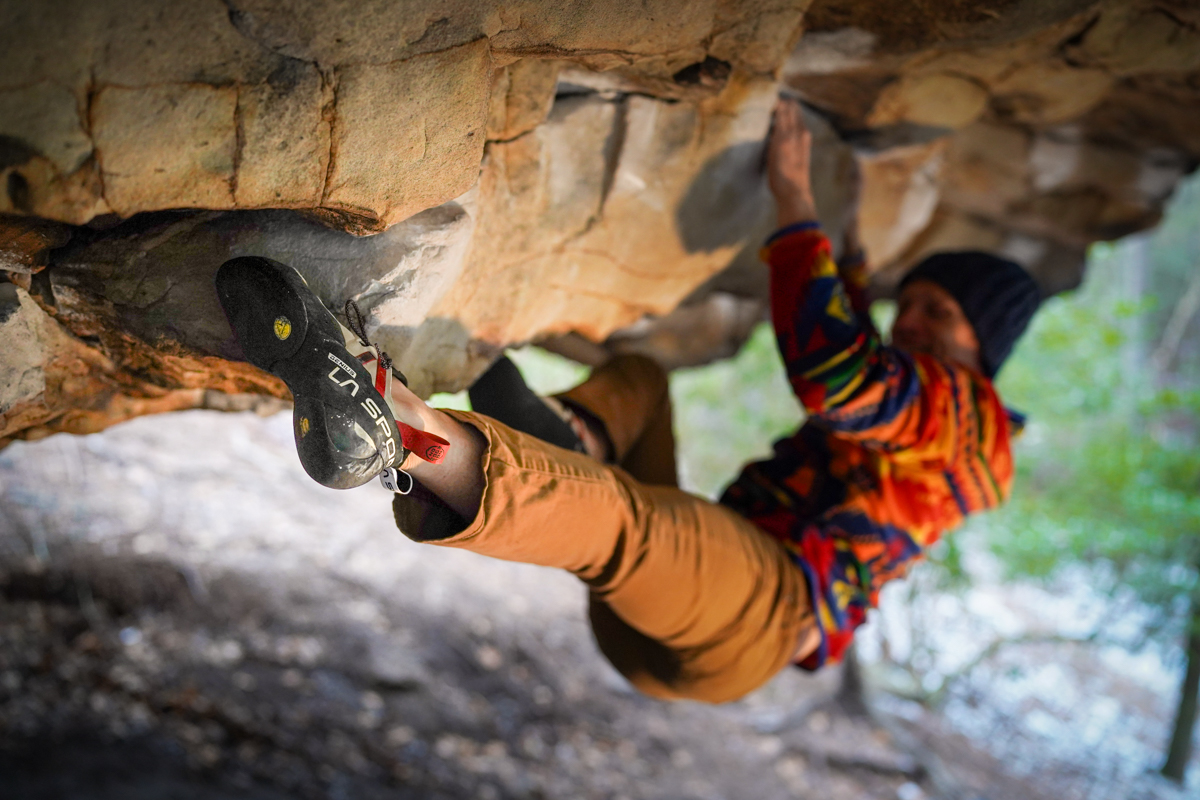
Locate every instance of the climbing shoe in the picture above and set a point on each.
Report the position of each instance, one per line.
(343, 422)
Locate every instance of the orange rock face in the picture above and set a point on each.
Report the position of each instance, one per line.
(1023, 97)
(78, 372)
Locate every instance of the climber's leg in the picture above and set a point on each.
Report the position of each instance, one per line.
(501, 393)
(630, 399)
(621, 414)
(703, 605)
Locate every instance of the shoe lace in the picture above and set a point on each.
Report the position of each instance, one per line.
(358, 326)
(427, 446)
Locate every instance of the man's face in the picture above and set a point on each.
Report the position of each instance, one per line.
(929, 320)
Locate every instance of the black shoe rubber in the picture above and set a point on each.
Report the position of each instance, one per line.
(502, 394)
(345, 432)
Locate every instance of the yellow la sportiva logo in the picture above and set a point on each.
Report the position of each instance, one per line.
(283, 328)
(304, 426)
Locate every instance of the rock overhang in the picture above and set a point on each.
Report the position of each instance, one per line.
(484, 174)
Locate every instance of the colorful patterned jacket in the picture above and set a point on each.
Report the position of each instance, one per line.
(897, 449)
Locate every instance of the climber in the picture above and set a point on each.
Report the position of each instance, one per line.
(688, 598)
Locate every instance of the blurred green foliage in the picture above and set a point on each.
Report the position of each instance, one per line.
(1108, 472)
(729, 413)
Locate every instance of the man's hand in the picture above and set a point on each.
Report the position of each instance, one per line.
(788, 157)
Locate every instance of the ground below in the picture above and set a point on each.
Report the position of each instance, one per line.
(184, 614)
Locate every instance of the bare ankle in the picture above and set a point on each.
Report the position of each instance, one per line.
(595, 443)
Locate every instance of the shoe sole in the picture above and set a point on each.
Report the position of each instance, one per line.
(344, 430)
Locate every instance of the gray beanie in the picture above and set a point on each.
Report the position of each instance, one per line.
(997, 296)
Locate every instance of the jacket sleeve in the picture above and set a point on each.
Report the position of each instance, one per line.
(925, 414)
(847, 380)
(852, 267)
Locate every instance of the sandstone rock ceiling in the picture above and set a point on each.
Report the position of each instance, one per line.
(478, 174)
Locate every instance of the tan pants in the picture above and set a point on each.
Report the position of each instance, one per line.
(688, 599)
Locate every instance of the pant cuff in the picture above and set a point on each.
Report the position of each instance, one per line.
(423, 517)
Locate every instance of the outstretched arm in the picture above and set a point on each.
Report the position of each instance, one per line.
(789, 158)
(839, 369)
